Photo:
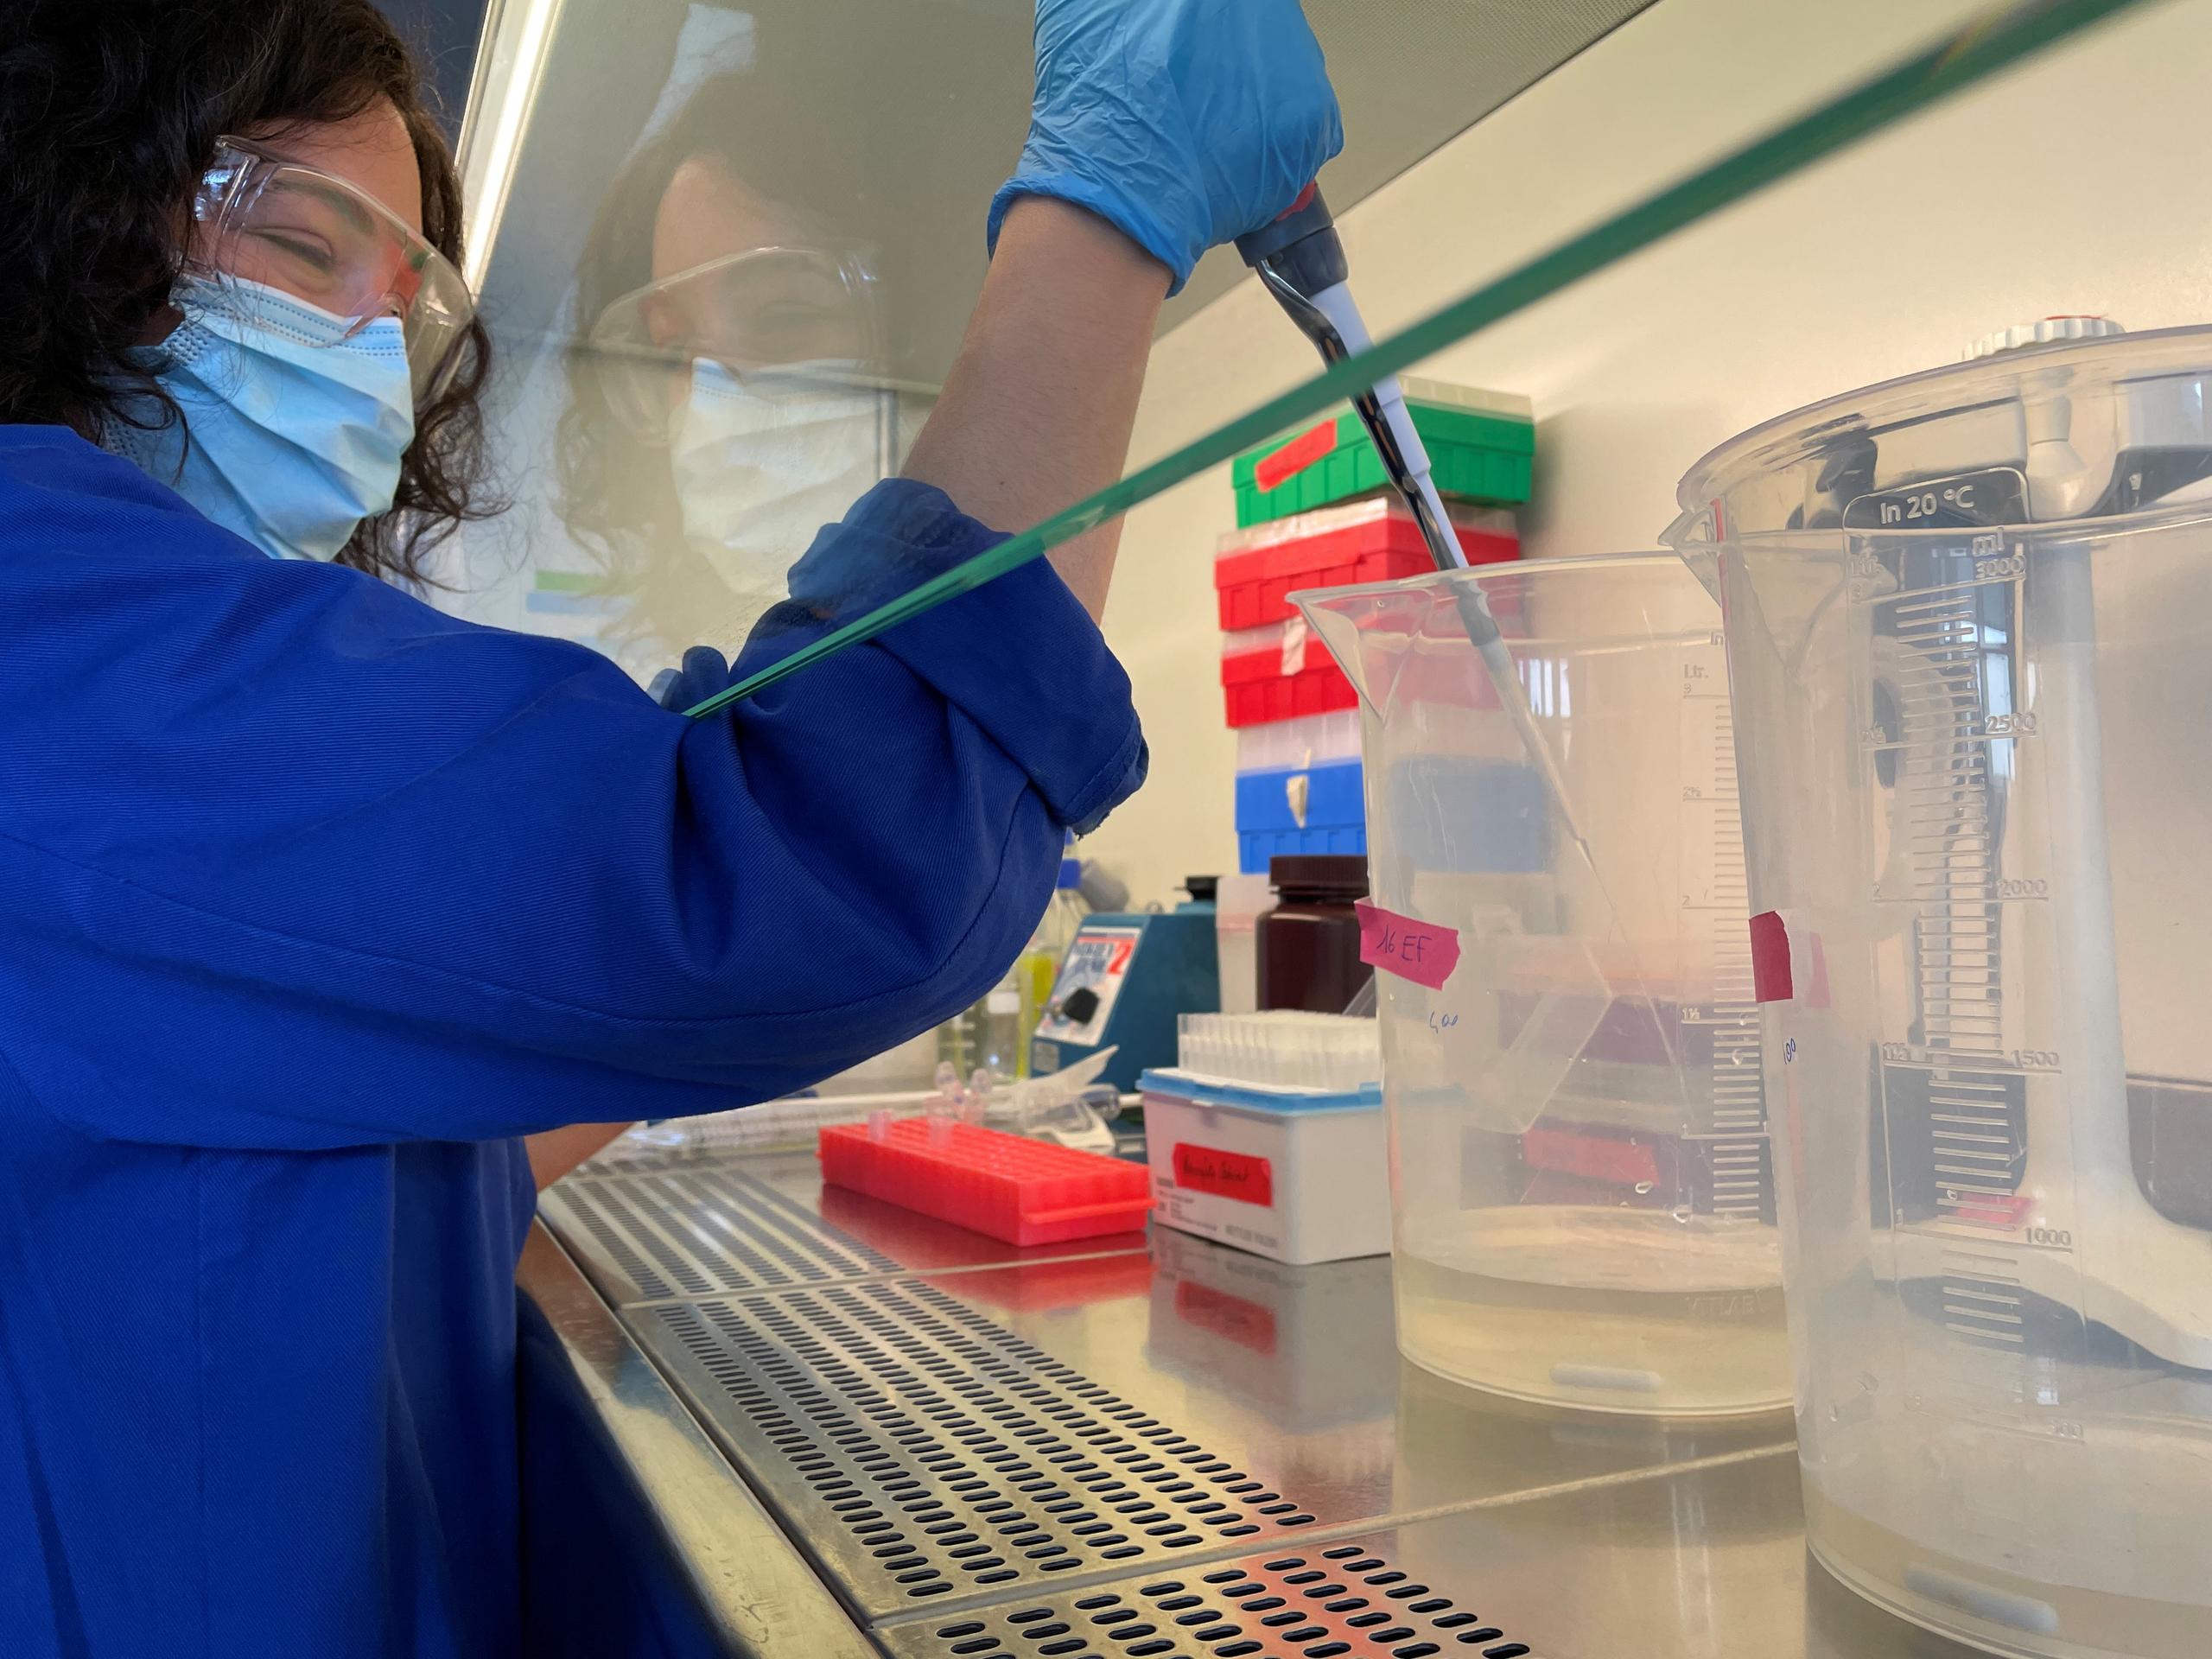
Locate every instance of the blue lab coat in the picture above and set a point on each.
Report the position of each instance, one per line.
(311, 898)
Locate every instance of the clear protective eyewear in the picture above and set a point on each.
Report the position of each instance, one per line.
(761, 314)
(305, 232)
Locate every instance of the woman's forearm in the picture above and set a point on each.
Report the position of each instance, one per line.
(1037, 411)
(554, 1152)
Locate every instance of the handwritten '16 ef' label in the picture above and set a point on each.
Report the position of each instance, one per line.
(1421, 951)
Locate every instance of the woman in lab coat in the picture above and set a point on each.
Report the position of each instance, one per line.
(312, 898)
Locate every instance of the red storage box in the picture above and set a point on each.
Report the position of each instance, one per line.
(1255, 570)
(1279, 673)
(1425, 658)
(1004, 1186)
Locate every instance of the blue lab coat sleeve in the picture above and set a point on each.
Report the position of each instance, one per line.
(294, 861)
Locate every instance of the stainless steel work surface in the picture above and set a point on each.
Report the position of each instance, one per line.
(972, 1454)
(1698, 1563)
(768, 1601)
(693, 1224)
(948, 1439)
(1343, 1599)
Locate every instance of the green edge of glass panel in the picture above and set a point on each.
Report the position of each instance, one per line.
(1979, 50)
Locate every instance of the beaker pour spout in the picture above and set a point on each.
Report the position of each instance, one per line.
(1345, 638)
(1691, 536)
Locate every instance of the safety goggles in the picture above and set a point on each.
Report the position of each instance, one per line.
(261, 218)
(761, 314)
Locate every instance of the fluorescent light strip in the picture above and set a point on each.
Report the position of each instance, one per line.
(518, 38)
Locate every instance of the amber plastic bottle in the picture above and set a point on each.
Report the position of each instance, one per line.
(1308, 943)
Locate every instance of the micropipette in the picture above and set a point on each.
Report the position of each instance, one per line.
(1301, 261)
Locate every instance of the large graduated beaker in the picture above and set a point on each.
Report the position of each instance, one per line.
(1969, 630)
(1581, 1190)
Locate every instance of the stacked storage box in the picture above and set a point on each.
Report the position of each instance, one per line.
(1267, 1134)
(1298, 788)
(1317, 513)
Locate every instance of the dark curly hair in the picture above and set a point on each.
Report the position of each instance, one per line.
(109, 114)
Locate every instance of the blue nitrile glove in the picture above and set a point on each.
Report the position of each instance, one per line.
(1184, 122)
(704, 674)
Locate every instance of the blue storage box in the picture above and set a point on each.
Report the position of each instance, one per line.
(1487, 817)
(1267, 820)
(1255, 847)
(1474, 816)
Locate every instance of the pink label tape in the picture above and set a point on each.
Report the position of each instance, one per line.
(1419, 951)
(1771, 975)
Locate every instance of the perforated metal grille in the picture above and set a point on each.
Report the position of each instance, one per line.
(1345, 1602)
(924, 1452)
(700, 1231)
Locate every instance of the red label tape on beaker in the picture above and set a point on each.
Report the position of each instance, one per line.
(1771, 980)
(1421, 951)
(1224, 1174)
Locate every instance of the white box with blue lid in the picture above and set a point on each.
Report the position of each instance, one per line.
(1299, 1175)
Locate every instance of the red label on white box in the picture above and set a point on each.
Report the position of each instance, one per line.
(1224, 1174)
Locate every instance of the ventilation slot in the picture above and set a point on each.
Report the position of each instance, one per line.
(1258, 1608)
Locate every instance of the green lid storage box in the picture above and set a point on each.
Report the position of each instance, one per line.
(1482, 447)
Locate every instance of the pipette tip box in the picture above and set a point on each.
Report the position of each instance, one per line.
(1299, 1175)
(1004, 1186)
(1258, 567)
(1481, 444)
(1281, 672)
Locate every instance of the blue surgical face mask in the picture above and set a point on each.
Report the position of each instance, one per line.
(295, 433)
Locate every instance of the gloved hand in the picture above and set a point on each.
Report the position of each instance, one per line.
(704, 673)
(1184, 122)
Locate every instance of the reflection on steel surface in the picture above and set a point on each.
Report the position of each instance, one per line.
(714, 1223)
(702, 1231)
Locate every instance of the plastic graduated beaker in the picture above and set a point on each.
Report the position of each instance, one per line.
(1969, 628)
(1580, 1186)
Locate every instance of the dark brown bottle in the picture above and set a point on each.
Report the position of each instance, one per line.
(1308, 943)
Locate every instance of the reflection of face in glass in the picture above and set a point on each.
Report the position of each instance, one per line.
(755, 288)
(734, 392)
(752, 355)
(770, 307)
(768, 315)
